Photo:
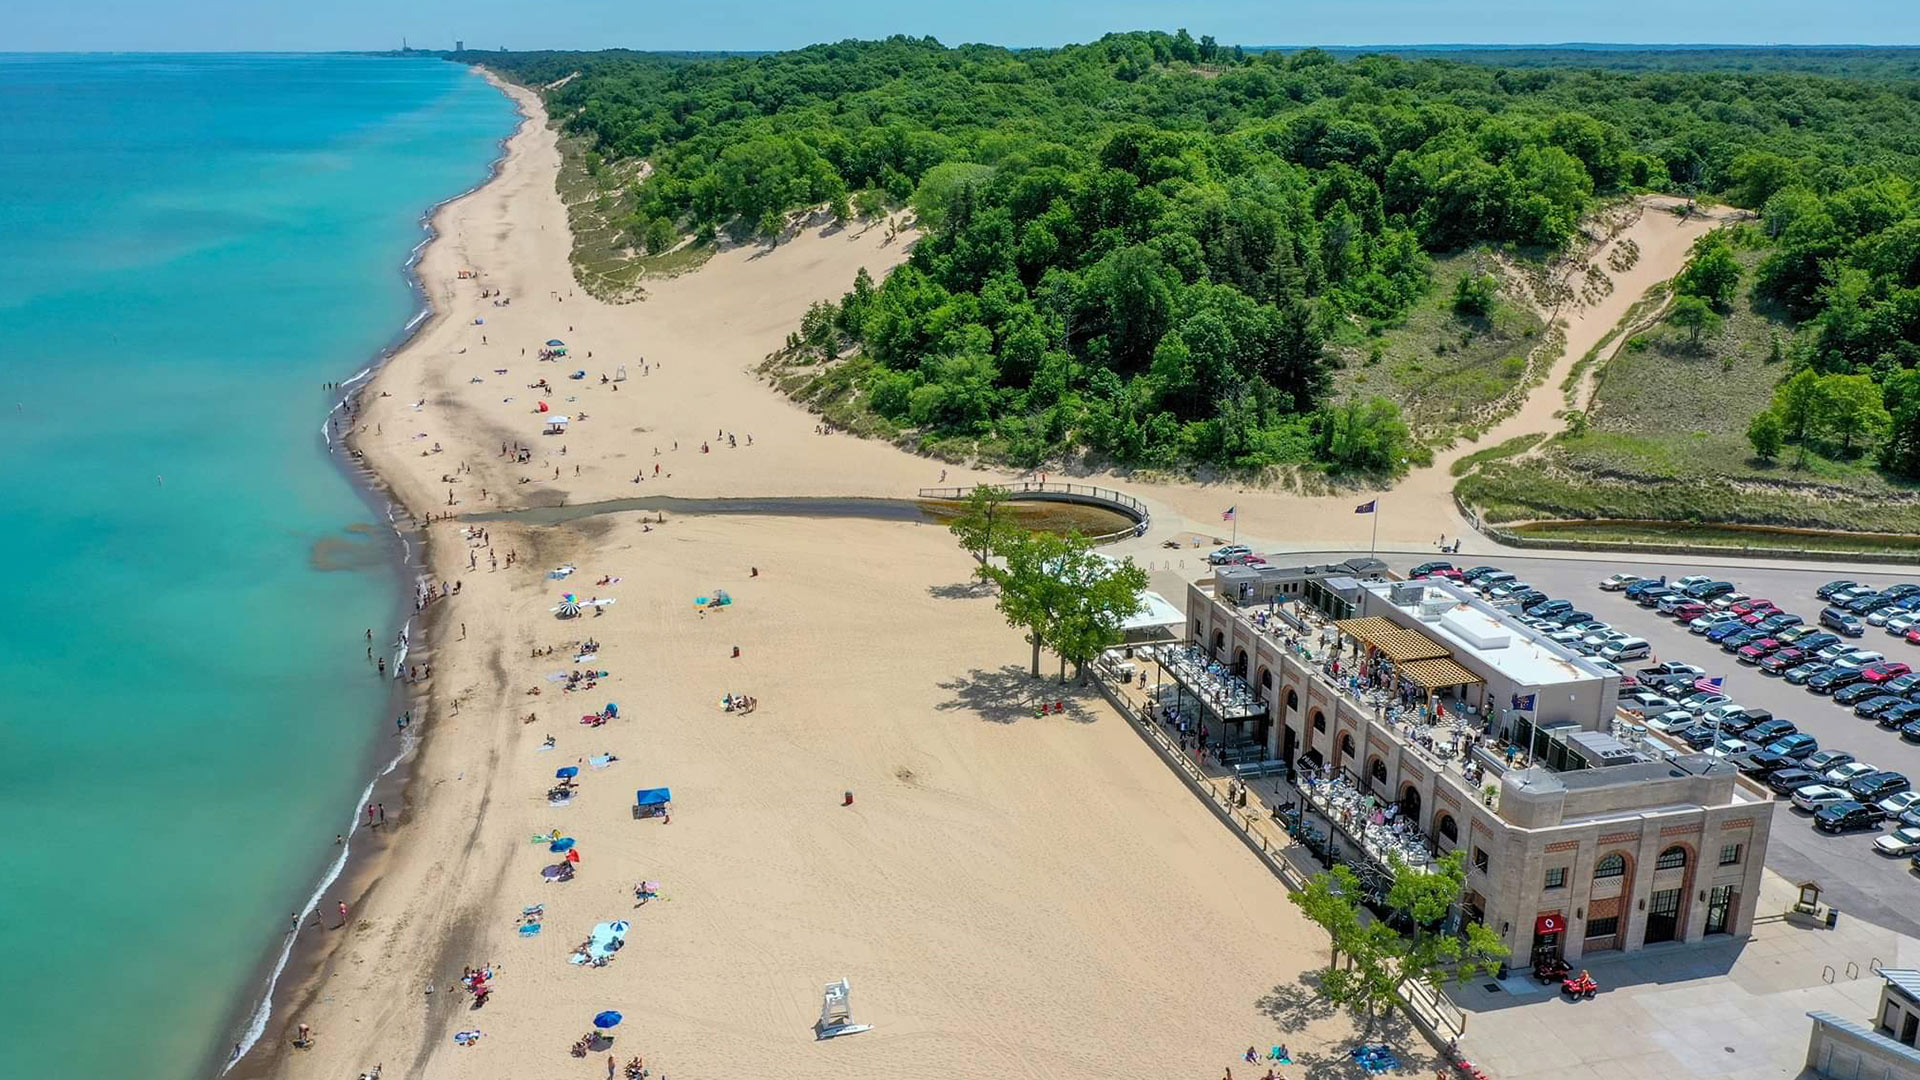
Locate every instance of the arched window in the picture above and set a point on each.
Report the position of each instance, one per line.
(1219, 640)
(1610, 866)
(1674, 858)
(1266, 679)
(1346, 744)
(1293, 702)
(1449, 829)
(1319, 718)
(1378, 770)
(1240, 662)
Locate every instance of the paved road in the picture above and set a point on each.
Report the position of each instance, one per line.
(1857, 879)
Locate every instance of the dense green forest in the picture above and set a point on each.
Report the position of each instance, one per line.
(1142, 247)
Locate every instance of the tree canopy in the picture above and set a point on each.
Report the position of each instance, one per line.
(1138, 247)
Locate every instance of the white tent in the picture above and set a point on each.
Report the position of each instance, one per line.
(1155, 611)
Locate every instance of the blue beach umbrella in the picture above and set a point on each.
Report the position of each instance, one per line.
(569, 771)
(565, 843)
(607, 1019)
(554, 343)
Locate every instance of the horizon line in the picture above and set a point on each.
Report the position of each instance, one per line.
(1704, 46)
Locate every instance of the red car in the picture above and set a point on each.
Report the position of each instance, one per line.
(1756, 617)
(1747, 607)
(1689, 611)
(1913, 636)
(1782, 660)
(1755, 651)
(1883, 671)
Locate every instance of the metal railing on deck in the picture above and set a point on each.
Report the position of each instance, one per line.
(1118, 501)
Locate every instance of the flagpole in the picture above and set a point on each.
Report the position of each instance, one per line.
(1374, 544)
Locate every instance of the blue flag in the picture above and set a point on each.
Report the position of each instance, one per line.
(1366, 507)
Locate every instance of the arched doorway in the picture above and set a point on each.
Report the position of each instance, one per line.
(1240, 663)
(1446, 831)
(1410, 802)
(1219, 641)
(1377, 771)
(1346, 745)
(1607, 904)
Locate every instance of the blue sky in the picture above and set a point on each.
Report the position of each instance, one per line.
(32, 25)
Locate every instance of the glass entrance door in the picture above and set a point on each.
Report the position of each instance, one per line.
(1719, 909)
(1663, 916)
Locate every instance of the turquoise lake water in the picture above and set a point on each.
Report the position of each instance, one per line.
(192, 247)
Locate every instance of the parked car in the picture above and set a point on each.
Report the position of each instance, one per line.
(1755, 651)
(1825, 592)
(1829, 759)
(1733, 643)
(1788, 781)
(1868, 604)
(1762, 763)
(1780, 620)
(1874, 707)
(1708, 590)
(1670, 673)
(1726, 630)
(1699, 736)
(1846, 816)
(1670, 721)
(1898, 804)
(1841, 622)
(1635, 590)
(1833, 679)
(1902, 841)
(1700, 701)
(1566, 617)
(1770, 730)
(1473, 574)
(1836, 651)
(1842, 775)
(1748, 607)
(1429, 567)
(1858, 660)
(1910, 730)
(1632, 648)
(1876, 786)
(1857, 693)
(1647, 702)
(1798, 676)
(1792, 634)
(1899, 716)
(1231, 553)
(1900, 623)
(1491, 580)
(1912, 635)
(1899, 608)
(1548, 608)
(1732, 718)
(1654, 595)
(1688, 611)
(1618, 582)
(1780, 661)
(1884, 671)
(1571, 633)
(1819, 639)
(1814, 796)
(1796, 746)
(1710, 620)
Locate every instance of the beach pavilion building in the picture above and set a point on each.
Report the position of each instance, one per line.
(1418, 718)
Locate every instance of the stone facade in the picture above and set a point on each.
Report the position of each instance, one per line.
(1617, 857)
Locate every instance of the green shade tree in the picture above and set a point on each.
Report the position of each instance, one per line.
(1849, 407)
(1767, 434)
(985, 523)
(1713, 274)
(1695, 316)
(1031, 595)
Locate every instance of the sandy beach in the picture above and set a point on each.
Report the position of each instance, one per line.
(1011, 895)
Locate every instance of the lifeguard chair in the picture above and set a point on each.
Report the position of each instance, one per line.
(836, 1012)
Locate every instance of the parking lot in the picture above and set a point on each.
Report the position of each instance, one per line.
(1857, 879)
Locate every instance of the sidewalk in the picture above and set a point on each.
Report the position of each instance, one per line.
(1732, 1012)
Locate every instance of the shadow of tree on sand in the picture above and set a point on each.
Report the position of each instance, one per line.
(1294, 1006)
(1008, 694)
(971, 589)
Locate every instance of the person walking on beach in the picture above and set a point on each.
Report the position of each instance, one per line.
(382, 808)
(343, 913)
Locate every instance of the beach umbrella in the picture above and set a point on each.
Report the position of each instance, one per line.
(607, 1019)
(572, 855)
(571, 770)
(554, 343)
(565, 843)
(568, 609)
(542, 407)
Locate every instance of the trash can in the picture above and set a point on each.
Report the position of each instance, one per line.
(1503, 970)
(1833, 917)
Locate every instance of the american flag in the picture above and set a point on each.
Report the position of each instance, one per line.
(1711, 686)
(1227, 514)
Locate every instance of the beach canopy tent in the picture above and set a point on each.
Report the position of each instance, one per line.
(657, 796)
(554, 343)
(1154, 615)
(557, 425)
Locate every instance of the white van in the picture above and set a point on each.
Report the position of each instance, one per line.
(1621, 651)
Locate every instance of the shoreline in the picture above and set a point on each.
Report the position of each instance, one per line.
(288, 972)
